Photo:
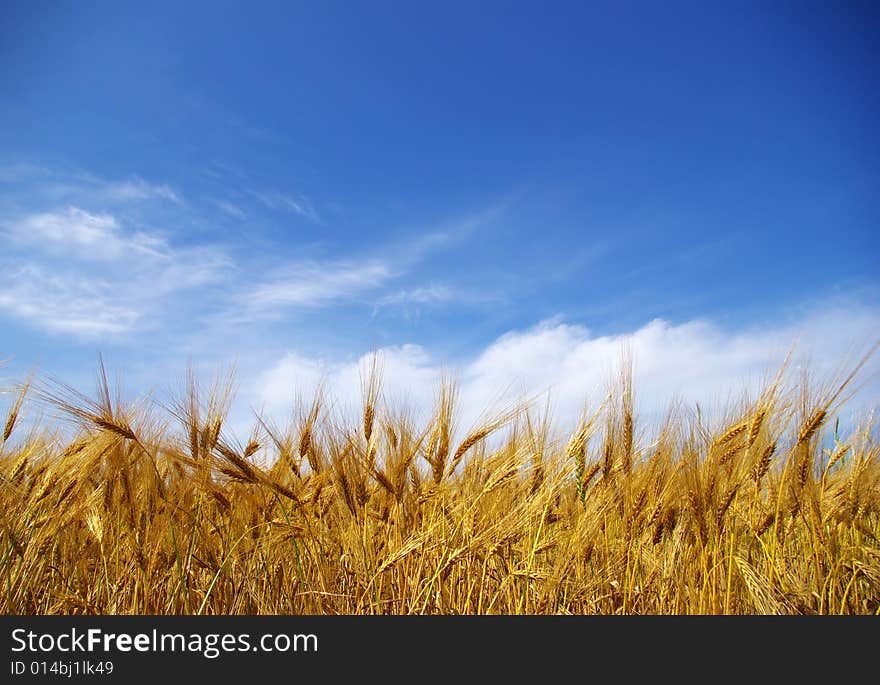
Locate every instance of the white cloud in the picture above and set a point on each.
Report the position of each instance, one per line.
(186, 268)
(310, 284)
(232, 210)
(409, 303)
(49, 277)
(66, 302)
(15, 173)
(426, 295)
(277, 201)
(319, 283)
(81, 186)
(696, 361)
(139, 189)
(408, 375)
(76, 232)
(75, 226)
(69, 300)
(292, 371)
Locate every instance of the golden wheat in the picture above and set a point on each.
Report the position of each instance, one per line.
(128, 514)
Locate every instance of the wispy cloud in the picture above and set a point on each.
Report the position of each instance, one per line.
(425, 295)
(73, 300)
(231, 209)
(78, 186)
(139, 189)
(79, 233)
(420, 242)
(410, 302)
(278, 201)
(22, 171)
(315, 283)
(48, 276)
(66, 302)
(79, 246)
(319, 283)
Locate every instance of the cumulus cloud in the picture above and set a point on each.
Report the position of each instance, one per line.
(408, 375)
(695, 361)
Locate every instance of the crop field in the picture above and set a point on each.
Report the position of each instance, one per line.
(770, 507)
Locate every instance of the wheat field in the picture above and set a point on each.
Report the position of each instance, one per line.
(769, 507)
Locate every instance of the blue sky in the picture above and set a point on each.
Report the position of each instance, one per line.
(493, 188)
